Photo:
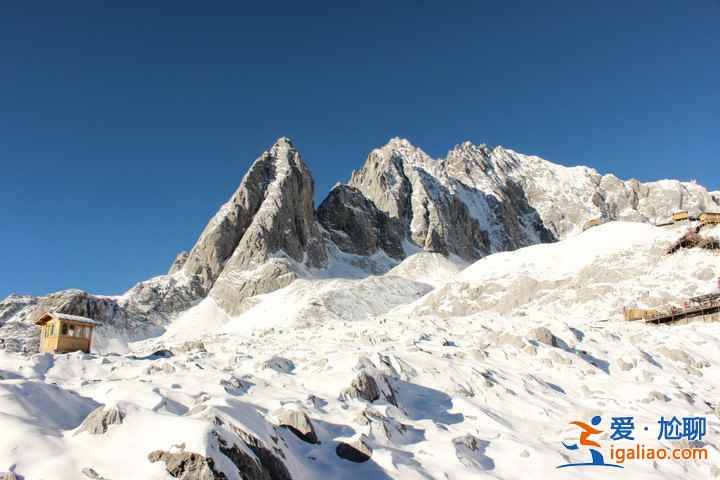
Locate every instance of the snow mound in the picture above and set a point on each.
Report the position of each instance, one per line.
(594, 274)
(431, 268)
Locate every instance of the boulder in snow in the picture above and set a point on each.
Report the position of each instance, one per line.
(297, 422)
(101, 418)
(185, 465)
(357, 451)
(279, 364)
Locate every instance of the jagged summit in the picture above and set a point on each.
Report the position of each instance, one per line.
(270, 215)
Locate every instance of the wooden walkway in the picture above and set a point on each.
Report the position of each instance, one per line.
(705, 306)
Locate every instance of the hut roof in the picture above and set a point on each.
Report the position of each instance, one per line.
(45, 317)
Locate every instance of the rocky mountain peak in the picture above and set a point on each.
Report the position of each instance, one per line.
(269, 218)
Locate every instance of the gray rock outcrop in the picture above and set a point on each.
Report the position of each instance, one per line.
(479, 200)
(186, 465)
(269, 218)
(357, 450)
(370, 385)
(297, 422)
(357, 226)
(101, 418)
(279, 364)
(403, 182)
(545, 336)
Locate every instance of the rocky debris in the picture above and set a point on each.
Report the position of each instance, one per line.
(315, 402)
(656, 396)
(545, 336)
(235, 386)
(186, 465)
(165, 368)
(682, 356)
(8, 476)
(92, 474)
(357, 226)
(363, 386)
(370, 385)
(357, 450)
(694, 240)
(101, 418)
(297, 422)
(470, 451)
(388, 429)
(279, 364)
(193, 346)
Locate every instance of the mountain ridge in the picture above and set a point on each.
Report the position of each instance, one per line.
(474, 202)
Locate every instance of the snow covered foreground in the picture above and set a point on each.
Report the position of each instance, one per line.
(467, 386)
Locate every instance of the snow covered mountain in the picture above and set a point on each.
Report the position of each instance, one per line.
(432, 318)
(474, 202)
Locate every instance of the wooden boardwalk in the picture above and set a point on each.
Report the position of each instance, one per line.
(705, 306)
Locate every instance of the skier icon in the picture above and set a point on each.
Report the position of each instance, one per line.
(587, 431)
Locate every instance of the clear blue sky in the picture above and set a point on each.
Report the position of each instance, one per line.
(122, 129)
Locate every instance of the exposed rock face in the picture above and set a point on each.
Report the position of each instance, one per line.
(357, 226)
(356, 451)
(250, 457)
(267, 463)
(101, 418)
(479, 200)
(297, 422)
(186, 465)
(402, 181)
(179, 262)
(270, 216)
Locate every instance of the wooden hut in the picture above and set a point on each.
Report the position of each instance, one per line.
(681, 216)
(62, 333)
(709, 217)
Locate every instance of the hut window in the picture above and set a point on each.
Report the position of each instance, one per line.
(64, 329)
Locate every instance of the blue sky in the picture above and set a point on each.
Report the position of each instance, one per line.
(122, 129)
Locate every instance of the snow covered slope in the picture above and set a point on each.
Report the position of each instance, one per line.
(431, 370)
